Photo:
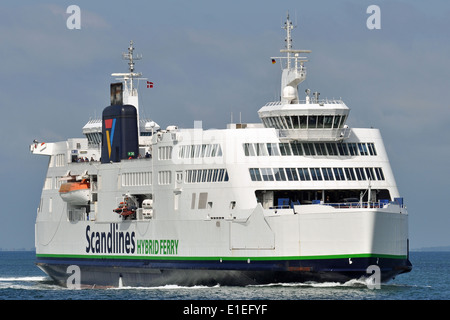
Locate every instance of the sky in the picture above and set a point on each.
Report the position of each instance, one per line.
(210, 59)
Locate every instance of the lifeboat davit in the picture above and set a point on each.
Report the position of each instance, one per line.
(76, 193)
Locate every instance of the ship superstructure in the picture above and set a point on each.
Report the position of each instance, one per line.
(300, 196)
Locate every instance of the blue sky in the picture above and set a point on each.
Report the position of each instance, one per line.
(209, 59)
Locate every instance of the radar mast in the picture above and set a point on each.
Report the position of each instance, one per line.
(130, 92)
(294, 73)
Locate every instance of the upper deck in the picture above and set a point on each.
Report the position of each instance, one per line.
(307, 120)
(301, 152)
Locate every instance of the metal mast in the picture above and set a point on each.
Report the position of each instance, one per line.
(288, 27)
(130, 93)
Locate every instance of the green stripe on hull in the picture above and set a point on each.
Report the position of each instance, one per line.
(143, 257)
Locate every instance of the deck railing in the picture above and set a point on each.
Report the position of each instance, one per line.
(347, 205)
(325, 134)
(311, 101)
(365, 204)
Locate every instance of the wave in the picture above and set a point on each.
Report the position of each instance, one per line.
(26, 279)
(28, 283)
(357, 283)
(350, 283)
(165, 287)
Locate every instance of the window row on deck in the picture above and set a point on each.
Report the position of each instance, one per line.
(296, 148)
(316, 174)
(165, 177)
(206, 175)
(305, 122)
(200, 151)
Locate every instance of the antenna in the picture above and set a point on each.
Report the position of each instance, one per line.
(296, 20)
(294, 72)
(130, 93)
(129, 56)
(131, 75)
(288, 27)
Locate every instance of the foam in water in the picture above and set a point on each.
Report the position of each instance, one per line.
(165, 287)
(33, 279)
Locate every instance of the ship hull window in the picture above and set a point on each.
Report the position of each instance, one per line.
(379, 172)
(304, 174)
(296, 148)
(255, 175)
(370, 174)
(292, 174)
(267, 174)
(363, 149)
(371, 148)
(350, 173)
(315, 174)
(360, 173)
(342, 148)
(320, 149)
(328, 122)
(309, 149)
(285, 149)
(279, 174)
(339, 174)
(336, 121)
(303, 122)
(312, 122)
(327, 174)
(272, 149)
(320, 122)
(295, 122)
(352, 149)
(332, 150)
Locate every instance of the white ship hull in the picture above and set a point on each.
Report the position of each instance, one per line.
(325, 244)
(298, 197)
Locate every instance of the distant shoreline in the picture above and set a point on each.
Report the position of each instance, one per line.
(437, 248)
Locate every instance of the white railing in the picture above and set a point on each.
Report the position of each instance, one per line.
(358, 205)
(311, 101)
(344, 205)
(314, 134)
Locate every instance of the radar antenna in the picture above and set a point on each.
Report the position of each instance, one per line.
(130, 92)
(129, 56)
(128, 77)
(295, 72)
(288, 27)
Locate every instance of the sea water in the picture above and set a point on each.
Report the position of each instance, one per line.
(21, 279)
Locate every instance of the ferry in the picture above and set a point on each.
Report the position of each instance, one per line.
(299, 196)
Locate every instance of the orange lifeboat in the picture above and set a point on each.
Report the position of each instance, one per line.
(124, 210)
(76, 193)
